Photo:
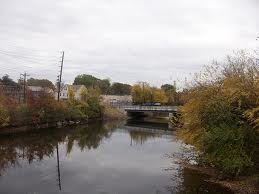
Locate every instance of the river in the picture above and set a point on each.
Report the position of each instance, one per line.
(99, 158)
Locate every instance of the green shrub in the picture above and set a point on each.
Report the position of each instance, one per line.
(229, 148)
(4, 116)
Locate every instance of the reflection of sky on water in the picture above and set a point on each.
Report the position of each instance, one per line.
(94, 159)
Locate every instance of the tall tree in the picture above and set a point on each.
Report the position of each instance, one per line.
(159, 96)
(6, 80)
(40, 82)
(170, 92)
(104, 85)
(167, 87)
(120, 89)
(87, 80)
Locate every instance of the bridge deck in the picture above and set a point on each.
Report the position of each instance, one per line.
(139, 108)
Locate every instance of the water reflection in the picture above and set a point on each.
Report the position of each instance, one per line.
(96, 158)
(140, 137)
(35, 146)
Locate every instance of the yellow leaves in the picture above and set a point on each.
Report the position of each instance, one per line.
(136, 92)
(83, 94)
(71, 94)
(232, 95)
(253, 116)
(4, 116)
(143, 93)
(94, 92)
(159, 96)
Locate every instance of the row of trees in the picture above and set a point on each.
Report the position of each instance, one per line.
(105, 85)
(220, 116)
(7, 81)
(143, 93)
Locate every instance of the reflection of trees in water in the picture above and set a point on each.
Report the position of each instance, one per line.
(188, 181)
(140, 137)
(29, 146)
(88, 137)
(32, 146)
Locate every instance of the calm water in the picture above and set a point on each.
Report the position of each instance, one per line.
(98, 158)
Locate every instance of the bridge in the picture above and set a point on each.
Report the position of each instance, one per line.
(138, 111)
(139, 108)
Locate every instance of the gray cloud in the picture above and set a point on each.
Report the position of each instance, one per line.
(127, 41)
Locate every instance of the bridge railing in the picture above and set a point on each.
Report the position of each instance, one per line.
(149, 108)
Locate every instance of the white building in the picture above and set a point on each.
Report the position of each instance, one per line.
(76, 89)
(116, 100)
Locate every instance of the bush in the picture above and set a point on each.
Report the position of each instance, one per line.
(220, 116)
(229, 149)
(4, 116)
(112, 113)
(44, 109)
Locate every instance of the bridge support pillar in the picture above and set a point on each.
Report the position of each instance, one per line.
(170, 124)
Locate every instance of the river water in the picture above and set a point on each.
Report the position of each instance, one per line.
(99, 158)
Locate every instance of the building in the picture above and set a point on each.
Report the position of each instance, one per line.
(35, 91)
(76, 89)
(14, 92)
(116, 100)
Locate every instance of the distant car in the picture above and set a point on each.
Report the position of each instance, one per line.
(157, 104)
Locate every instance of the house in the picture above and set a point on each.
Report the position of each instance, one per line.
(76, 89)
(116, 100)
(14, 92)
(35, 91)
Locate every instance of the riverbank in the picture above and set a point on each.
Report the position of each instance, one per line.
(240, 185)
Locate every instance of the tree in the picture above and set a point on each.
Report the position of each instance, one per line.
(71, 95)
(120, 89)
(167, 87)
(136, 93)
(86, 80)
(104, 85)
(83, 94)
(159, 96)
(142, 93)
(6, 80)
(40, 82)
(171, 94)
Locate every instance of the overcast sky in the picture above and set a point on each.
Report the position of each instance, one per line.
(156, 41)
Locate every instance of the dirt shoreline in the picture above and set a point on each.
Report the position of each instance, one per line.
(240, 185)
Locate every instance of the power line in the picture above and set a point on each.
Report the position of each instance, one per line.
(25, 58)
(13, 44)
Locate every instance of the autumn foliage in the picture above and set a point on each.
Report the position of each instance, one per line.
(45, 109)
(221, 114)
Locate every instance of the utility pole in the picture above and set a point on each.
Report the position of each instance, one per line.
(59, 88)
(143, 91)
(59, 180)
(60, 74)
(24, 85)
(256, 59)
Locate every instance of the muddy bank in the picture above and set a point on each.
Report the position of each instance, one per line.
(240, 185)
(59, 124)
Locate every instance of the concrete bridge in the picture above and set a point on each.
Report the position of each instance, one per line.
(158, 109)
(138, 111)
